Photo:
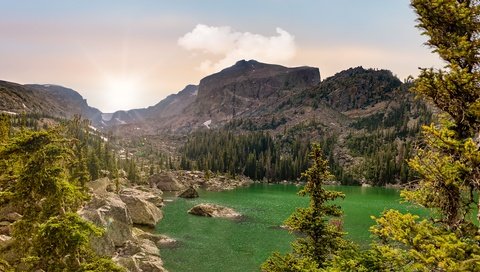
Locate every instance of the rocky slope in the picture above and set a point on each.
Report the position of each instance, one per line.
(170, 106)
(288, 103)
(238, 91)
(52, 100)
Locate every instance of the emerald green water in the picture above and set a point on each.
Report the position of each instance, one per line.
(216, 244)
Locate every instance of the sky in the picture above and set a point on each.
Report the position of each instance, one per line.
(122, 54)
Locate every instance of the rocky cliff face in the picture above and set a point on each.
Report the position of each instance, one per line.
(261, 96)
(357, 88)
(249, 84)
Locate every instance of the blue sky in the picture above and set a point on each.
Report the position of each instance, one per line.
(130, 54)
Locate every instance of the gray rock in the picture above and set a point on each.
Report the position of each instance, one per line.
(99, 186)
(110, 213)
(165, 182)
(158, 239)
(141, 211)
(128, 262)
(149, 194)
(152, 264)
(212, 210)
(190, 192)
(140, 255)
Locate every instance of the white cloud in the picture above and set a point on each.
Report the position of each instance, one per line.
(230, 46)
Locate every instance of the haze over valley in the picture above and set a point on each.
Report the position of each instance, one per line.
(239, 136)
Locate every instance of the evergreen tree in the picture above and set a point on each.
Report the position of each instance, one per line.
(320, 238)
(35, 178)
(448, 163)
(4, 127)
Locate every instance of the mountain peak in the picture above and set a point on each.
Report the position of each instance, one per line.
(246, 63)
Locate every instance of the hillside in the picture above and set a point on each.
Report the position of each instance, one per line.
(363, 117)
(51, 100)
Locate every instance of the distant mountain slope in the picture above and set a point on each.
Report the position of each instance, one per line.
(245, 89)
(52, 100)
(365, 118)
(170, 106)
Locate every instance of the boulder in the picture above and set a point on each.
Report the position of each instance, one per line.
(140, 255)
(212, 210)
(165, 182)
(149, 194)
(190, 192)
(99, 186)
(151, 264)
(110, 213)
(141, 211)
(158, 239)
(128, 262)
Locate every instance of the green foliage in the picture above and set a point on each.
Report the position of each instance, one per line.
(448, 163)
(72, 247)
(4, 127)
(256, 155)
(321, 239)
(101, 265)
(40, 176)
(421, 245)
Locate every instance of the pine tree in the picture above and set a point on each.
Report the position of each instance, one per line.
(321, 239)
(449, 162)
(35, 178)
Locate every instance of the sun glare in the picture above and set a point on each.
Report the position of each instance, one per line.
(121, 93)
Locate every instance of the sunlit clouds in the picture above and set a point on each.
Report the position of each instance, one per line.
(229, 46)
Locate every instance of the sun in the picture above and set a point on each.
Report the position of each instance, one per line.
(121, 93)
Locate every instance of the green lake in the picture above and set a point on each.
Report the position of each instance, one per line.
(216, 244)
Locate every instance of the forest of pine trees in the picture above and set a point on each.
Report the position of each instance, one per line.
(384, 142)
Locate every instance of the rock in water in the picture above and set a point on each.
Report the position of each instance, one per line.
(190, 192)
(212, 210)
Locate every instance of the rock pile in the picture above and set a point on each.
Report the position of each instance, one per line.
(132, 248)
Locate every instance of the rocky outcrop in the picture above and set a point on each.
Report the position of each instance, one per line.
(357, 88)
(141, 253)
(213, 210)
(257, 80)
(165, 181)
(190, 192)
(132, 248)
(141, 210)
(158, 239)
(109, 212)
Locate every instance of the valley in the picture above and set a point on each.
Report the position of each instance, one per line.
(360, 116)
